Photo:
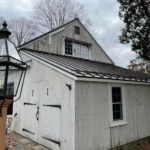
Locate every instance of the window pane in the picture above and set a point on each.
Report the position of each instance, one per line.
(116, 94)
(77, 30)
(117, 112)
(68, 47)
(2, 78)
(12, 51)
(2, 47)
(117, 104)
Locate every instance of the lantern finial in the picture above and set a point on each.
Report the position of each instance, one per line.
(4, 33)
(4, 24)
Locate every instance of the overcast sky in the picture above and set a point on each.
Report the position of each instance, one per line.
(103, 15)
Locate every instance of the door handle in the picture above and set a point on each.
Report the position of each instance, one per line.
(37, 113)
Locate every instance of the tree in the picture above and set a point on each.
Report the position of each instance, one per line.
(50, 14)
(22, 30)
(139, 64)
(136, 17)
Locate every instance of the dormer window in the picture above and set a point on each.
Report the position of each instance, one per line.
(68, 47)
(77, 30)
(77, 49)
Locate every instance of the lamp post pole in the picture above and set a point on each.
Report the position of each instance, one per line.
(3, 118)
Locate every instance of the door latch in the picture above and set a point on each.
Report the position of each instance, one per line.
(37, 113)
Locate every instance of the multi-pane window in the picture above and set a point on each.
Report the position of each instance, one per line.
(117, 106)
(80, 51)
(84, 52)
(68, 47)
(77, 30)
(76, 49)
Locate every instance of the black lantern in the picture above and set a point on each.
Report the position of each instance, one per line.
(12, 67)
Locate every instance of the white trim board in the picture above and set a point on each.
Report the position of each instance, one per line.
(111, 81)
(119, 122)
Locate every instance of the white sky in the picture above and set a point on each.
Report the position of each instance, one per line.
(103, 15)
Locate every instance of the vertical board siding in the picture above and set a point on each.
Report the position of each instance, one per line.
(97, 53)
(137, 110)
(92, 116)
(55, 125)
(50, 124)
(57, 42)
(83, 120)
(29, 126)
(93, 131)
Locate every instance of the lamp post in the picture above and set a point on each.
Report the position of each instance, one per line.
(12, 69)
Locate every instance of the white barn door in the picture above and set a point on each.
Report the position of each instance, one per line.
(43, 117)
(49, 119)
(30, 121)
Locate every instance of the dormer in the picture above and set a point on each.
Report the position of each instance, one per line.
(71, 39)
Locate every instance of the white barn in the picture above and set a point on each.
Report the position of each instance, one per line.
(75, 98)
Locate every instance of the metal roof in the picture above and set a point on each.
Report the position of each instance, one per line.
(88, 68)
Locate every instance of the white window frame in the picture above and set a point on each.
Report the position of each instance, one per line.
(82, 50)
(79, 51)
(124, 120)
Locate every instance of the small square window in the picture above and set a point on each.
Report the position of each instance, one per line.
(77, 30)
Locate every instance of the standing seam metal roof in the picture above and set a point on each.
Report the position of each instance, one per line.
(88, 68)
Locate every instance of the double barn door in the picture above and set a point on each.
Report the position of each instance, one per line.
(42, 117)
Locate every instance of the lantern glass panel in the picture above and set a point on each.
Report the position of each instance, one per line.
(13, 82)
(12, 51)
(2, 47)
(2, 80)
(11, 65)
(16, 61)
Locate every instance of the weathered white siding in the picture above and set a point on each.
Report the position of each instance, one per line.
(84, 120)
(97, 53)
(93, 131)
(92, 116)
(57, 42)
(54, 123)
(137, 98)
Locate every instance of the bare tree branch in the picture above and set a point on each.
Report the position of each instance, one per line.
(22, 30)
(50, 14)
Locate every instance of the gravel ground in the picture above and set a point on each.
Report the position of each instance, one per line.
(15, 141)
